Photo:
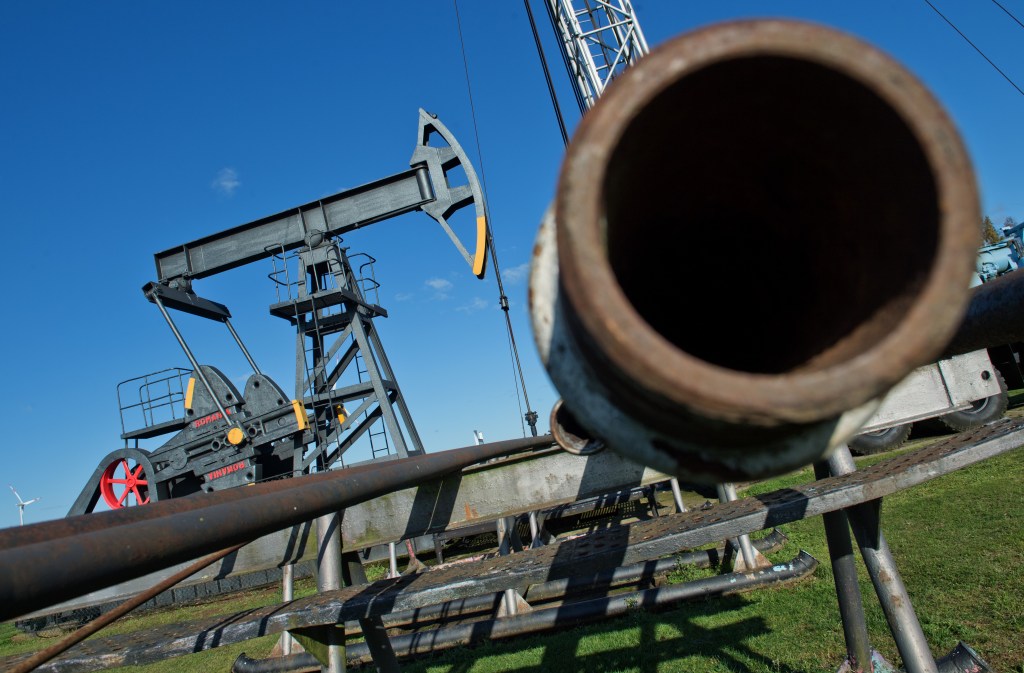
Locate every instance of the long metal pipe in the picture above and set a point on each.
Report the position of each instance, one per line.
(57, 560)
(45, 655)
(993, 316)
(734, 271)
(844, 575)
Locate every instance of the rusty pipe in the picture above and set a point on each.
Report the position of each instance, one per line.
(569, 434)
(758, 230)
(993, 316)
(57, 560)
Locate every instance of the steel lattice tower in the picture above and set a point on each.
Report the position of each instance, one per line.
(598, 40)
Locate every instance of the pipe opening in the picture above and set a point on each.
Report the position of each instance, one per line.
(769, 215)
(570, 435)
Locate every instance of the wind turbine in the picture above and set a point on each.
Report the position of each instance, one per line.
(22, 504)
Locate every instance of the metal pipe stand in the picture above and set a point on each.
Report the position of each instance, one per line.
(906, 630)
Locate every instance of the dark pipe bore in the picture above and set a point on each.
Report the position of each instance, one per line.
(785, 218)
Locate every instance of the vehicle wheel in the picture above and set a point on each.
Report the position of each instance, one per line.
(980, 413)
(878, 441)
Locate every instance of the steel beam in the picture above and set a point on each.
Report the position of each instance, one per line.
(487, 492)
(424, 186)
(262, 238)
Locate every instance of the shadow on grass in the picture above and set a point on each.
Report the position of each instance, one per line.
(636, 645)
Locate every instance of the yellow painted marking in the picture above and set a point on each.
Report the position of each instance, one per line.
(480, 258)
(236, 436)
(342, 412)
(189, 392)
(300, 415)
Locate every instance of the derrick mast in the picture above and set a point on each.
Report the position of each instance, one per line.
(598, 40)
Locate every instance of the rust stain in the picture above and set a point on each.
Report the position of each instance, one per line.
(471, 512)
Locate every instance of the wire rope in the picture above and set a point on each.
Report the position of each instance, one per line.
(968, 40)
(1008, 13)
(547, 73)
(530, 416)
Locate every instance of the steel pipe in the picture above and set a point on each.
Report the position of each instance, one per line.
(568, 433)
(57, 560)
(993, 316)
(844, 575)
(865, 521)
(758, 230)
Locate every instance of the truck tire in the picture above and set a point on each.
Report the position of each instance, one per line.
(980, 413)
(871, 443)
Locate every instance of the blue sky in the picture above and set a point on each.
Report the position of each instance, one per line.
(127, 128)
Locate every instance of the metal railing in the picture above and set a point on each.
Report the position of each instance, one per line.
(152, 399)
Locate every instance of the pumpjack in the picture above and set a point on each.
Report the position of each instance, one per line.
(220, 437)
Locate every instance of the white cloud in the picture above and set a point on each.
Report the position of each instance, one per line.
(404, 296)
(440, 288)
(226, 181)
(477, 304)
(517, 274)
(439, 284)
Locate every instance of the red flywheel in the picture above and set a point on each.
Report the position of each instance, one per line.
(124, 483)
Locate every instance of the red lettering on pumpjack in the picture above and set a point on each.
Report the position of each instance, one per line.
(215, 416)
(220, 472)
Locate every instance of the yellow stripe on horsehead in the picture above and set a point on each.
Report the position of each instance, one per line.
(480, 257)
(300, 415)
(190, 391)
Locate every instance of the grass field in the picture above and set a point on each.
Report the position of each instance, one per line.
(958, 541)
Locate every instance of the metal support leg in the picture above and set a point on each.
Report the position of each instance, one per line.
(727, 493)
(504, 526)
(374, 633)
(892, 594)
(535, 540)
(287, 594)
(328, 578)
(844, 572)
(438, 549)
(335, 642)
(677, 495)
(393, 560)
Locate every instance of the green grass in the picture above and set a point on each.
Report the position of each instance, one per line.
(958, 541)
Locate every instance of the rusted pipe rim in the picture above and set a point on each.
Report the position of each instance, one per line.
(633, 355)
(570, 435)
